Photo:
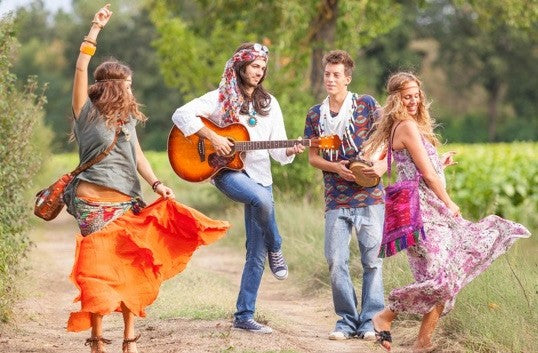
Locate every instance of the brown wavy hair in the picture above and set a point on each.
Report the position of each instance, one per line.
(394, 111)
(260, 98)
(339, 57)
(111, 99)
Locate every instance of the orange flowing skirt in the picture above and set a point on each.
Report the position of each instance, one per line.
(128, 259)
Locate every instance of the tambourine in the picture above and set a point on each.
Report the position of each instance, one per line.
(356, 166)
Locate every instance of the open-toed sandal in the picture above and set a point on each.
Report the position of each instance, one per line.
(128, 347)
(383, 336)
(97, 344)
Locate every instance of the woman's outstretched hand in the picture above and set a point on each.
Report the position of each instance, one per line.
(454, 209)
(102, 16)
(447, 159)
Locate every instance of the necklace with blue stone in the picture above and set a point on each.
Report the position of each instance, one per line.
(252, 120)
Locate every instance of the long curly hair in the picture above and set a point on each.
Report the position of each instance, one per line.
(260, 98)
(394, 111)
(110, 96)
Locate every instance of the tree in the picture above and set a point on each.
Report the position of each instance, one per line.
(49, 48)
(298, 32)
(392, 51)
(196, 38)
(482, 44)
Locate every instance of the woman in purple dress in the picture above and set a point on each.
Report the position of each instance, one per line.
(455, 250)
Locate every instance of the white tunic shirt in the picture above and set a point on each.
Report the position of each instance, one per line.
(268, 128)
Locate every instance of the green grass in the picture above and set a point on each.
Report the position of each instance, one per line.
(209, 297)
(494, 313)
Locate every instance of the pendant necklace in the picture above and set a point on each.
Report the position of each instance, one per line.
(252, 119)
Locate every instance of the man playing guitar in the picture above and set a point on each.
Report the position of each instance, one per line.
(241, 98)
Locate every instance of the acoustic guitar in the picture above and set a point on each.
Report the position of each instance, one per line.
(194, 159)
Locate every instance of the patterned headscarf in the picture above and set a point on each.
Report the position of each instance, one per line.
(230, 97)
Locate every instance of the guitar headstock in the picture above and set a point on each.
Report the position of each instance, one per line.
(331, 142)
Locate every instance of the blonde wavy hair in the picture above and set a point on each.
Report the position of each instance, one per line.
(109, 95)
(394, 111)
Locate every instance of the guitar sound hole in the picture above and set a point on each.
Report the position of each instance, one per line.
(215, 161)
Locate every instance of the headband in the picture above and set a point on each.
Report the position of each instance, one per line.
(111, 79)
(230, 97)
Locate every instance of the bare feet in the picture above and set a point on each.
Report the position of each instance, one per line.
(382, 323)
(417, 348)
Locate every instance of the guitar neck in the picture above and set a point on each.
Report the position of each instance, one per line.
(267, 145)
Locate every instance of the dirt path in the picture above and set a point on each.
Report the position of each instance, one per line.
(301, 324)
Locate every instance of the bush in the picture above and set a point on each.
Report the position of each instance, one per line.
(497, 179)
(24, 139)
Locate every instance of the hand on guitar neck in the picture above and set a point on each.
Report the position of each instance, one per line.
(295, 149)
(223, 146)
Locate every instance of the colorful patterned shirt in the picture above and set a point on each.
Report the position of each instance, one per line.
(340, 193)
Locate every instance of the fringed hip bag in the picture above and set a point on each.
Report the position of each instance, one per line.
(403, 222)
(49, 201)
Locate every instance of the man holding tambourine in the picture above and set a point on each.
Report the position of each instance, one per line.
(354, 196)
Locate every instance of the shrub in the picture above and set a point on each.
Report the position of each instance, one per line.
(496, 179)
(24, 139)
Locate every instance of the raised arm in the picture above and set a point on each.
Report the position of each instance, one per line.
(87, 49)
(407, 133)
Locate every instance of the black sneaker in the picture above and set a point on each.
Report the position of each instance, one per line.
(278, 266)
(252, 326)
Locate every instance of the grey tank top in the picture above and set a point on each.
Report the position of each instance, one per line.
(118, 170)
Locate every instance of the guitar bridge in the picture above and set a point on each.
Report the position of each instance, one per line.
(201, 149)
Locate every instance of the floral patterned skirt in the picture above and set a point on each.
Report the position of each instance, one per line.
(126, 256)
(454, 253)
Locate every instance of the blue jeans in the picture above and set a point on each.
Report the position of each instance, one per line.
(368, 224)
(261, 232)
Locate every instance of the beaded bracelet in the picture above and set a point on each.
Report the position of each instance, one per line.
(87, 49)
(89, 40)
(155, 185)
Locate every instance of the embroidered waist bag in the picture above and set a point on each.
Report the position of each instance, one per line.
(49, 201)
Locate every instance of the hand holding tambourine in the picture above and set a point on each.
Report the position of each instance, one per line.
(364, 175)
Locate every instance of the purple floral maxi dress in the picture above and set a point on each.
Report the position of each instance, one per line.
(455, 250)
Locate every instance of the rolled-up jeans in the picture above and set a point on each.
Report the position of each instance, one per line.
(261, 233)
(368, 224)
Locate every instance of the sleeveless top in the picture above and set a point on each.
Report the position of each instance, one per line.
(118, 170)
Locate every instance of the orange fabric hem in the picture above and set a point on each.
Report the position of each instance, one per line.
(127, 260)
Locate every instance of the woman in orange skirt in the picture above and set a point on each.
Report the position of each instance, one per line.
(125, 249)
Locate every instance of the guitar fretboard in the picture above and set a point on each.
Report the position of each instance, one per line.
(266, 145)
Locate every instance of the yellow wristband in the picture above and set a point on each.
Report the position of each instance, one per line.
(88, 49)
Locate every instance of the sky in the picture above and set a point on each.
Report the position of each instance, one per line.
(52, 5)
